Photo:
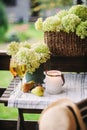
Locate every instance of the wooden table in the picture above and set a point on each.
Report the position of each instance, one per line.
(79, 78)
(65, 64)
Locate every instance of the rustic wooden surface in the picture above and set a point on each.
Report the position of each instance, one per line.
(67, 64)
(4, 60)
(12, 125)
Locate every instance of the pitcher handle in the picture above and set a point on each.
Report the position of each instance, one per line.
(62, 76)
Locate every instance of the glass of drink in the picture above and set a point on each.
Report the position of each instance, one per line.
(21, 70)
(12, 67)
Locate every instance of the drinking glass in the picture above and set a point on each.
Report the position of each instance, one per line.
(12, 67)
(21, 70)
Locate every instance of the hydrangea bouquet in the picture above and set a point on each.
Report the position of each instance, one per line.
(33, 55)
(72, 20)
(65, 32)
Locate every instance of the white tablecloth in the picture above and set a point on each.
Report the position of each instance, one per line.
(75, 89)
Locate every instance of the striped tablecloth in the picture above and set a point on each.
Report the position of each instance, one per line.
(75, 88)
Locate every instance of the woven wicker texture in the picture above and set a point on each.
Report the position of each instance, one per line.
(65, 44)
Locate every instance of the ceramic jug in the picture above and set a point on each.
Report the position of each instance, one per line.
(54, 81)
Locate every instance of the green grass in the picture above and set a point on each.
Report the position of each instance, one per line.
(7, 113)
(11, 113)
(5, 78)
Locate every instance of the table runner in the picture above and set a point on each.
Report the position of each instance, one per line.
(75, 88)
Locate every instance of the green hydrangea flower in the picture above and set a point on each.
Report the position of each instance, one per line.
(25, 44)
(70, 22)
(66, 20)
(29, 57)
(62, 13)
(30, 54)
(12, 48)
(79, 10)
(81, 30)
(51, 23)
(43, 51)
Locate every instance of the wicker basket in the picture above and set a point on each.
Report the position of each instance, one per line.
(65, 44)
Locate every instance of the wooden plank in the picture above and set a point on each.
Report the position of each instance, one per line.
(67, 64)
(77, 64)
(20, 123)
(2, 90)
(7, 92)
(4, 61)
(12, 125)
(31, 110)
